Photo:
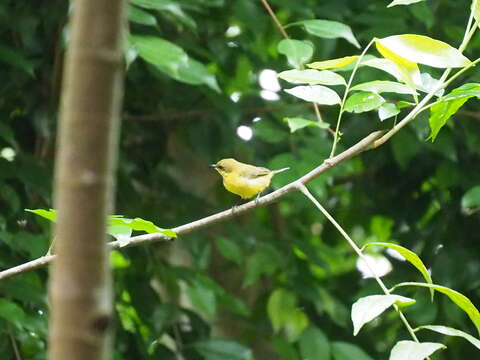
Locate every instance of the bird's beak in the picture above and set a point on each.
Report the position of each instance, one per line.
(214, 166)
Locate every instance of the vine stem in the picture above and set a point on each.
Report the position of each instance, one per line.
(347, 89)
(301, 187)
(275, 19)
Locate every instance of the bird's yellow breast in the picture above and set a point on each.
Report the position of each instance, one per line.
(246, 187)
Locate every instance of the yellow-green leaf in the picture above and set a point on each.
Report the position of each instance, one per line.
(333, 63)
(423, 50)
(461, 300)
(409, 71)
(410, 256)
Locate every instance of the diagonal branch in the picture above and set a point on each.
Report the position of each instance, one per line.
(362, 145)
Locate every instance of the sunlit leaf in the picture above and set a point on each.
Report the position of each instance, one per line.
(410, 256)
(315, 93)
(461, 300)
(445, 330)
(379, 86)
(332, 63)
(411, 350)
(369, 307)
(363, 101)
(387, 110)
(328, 29)
(312, 77)
(47, 214)
(385, 65)
(408, 70)
(297, 52)
(423, 50)
(403, 2)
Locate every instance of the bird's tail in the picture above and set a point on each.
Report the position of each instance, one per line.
(280, 170)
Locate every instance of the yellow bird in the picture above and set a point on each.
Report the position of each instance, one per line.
(243, 179)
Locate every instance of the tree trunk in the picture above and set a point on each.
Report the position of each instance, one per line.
(80, 287)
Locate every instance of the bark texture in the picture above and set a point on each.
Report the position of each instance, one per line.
(80, 287)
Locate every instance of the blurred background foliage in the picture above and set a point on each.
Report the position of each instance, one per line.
(279, 282)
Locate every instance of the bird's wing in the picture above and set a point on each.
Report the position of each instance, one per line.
(252, 172)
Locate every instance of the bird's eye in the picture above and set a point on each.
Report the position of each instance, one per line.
(219, 167)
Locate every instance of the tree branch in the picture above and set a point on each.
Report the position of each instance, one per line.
(362, 145)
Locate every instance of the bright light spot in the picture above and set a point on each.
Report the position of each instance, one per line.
(244, 132)
(256, 119)
(8, 154)
(379, 264)
(232, 44)
(395, 254)
(235, 96)
(233, 31)
(268, 80)
(269, 95)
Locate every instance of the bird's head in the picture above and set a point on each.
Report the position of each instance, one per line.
(225, 166)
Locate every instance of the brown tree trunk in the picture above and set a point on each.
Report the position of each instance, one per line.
(80, 287)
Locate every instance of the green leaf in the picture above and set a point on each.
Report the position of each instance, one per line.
(440, 113)
(403, 2)
(333, 63)
(459, 299)
(411, 257)
(173, 61)
(118, 226)
(471, 199)
(265, 260)
(295, 324)
(315, 93)
(466, 90)
(314, 345)
(219, 349)
(328, 29)
(280, 303)
(118, 261)
(379, 86)
(346, 351)
(424, 50)
(140, 16)
(445, 330)
(47, 214)
(297, 123)
(298, 52)
(169, 6)
(11, 312)
(387, 110)
(363, 101)
(203, 298)
(312, 77)
(14, 58)
(369, 307)
(139, 224)
(229, 249)
(449, 105)
(411, 350)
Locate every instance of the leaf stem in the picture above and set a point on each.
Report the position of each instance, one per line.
(347, 89)
(359, 252)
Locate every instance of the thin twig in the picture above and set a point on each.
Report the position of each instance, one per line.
(16, 350)
(275, 19)
(362, 145)
(359, 252)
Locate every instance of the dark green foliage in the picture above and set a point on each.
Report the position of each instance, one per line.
(207, 294)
